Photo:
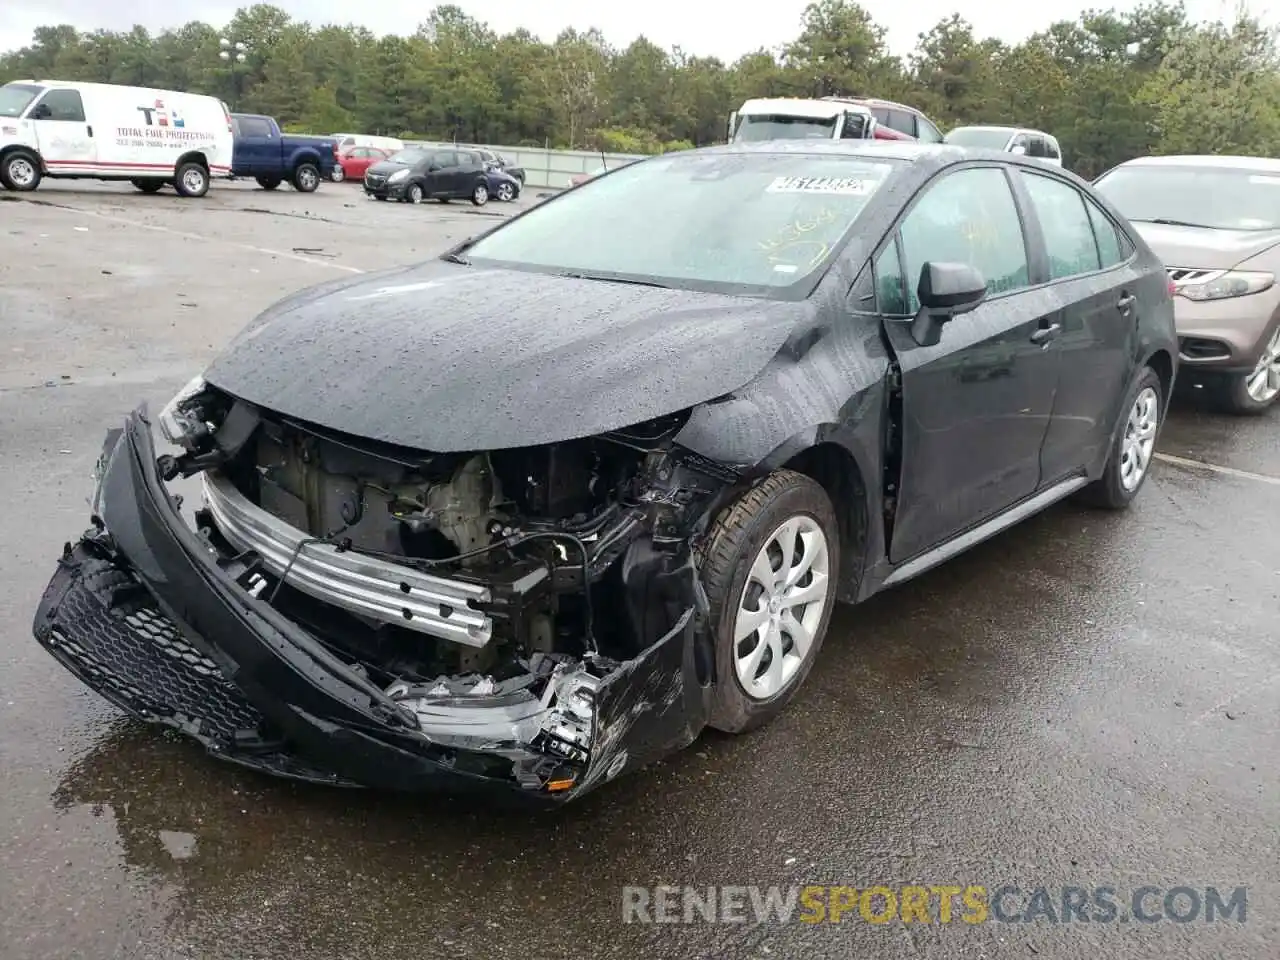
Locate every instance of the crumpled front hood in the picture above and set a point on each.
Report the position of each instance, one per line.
(1202, 248)
(446, 358)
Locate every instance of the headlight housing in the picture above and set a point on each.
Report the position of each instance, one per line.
(1233, 283)
(398, 176)
(177, 422)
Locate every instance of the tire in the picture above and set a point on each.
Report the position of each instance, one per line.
(1233, 393)
(734, 545)
(413, 194)
(268, 183)
(191, 179)
(20, 171)
(338, 174)
(506, 192)
(480, 194)
(148, 186)
(306, 178)
(1134, 442)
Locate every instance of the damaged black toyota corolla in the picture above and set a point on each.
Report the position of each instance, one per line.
(534, 513)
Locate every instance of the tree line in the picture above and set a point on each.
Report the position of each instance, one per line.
(1109, 85)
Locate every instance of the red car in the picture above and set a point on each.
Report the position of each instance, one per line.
(354, 161)
(893, 119)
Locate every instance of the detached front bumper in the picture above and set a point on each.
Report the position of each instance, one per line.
(143, 611)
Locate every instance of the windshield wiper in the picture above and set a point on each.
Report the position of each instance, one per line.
(1171, 223)
(455, 258)
(629, 280)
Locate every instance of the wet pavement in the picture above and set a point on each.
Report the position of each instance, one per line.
(1089, 699)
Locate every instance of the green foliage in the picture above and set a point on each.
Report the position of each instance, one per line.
(1110, 85)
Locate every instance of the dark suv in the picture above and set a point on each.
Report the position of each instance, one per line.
(438, 173)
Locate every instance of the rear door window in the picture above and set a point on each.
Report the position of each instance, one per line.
(903, 122)
(64, 105)
(1111, 249)
(1068, 231)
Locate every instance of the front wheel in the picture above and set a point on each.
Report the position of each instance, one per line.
(338, 174)
(1133, 448)
(306, 177)
(414, 193)
(1256, 391)
(480, 194)
(506, 192)
(20, 171)
(191, 180)
(770, 566)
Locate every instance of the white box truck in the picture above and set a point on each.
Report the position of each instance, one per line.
(101, 131)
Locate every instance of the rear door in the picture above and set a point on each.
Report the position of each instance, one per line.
(976, 406)
(1091, 280)
(64, 134)
(470, 166)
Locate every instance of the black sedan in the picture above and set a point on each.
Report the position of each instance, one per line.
(597, 478)
(437, 173)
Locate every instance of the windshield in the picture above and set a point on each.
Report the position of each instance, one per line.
(14, 98)
(1223, 198)
(411, 156)
(777, 126)
(752, 224)
(978, 137)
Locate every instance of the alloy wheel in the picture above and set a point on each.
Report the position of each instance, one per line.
(481, 194)
(781, 608)
(339, 174)
(506, 192)
(1139, 438)
(22, 172)
(1264, 383)
(193, 180)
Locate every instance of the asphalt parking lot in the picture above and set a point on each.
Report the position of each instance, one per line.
(1088, 700)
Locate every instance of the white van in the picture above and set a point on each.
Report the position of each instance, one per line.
(346, 140)
(54, 128)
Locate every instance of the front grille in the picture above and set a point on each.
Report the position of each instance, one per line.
(1184, 276)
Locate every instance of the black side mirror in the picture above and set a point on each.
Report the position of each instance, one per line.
(433, 168)
(946, 290)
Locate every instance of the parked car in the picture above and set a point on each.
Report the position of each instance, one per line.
(1215, 222)
(576, 493)
(386, 144)
(1020, 140)
(270, 156)
(499, 162)
(150, 138)
(354, 162)
(901, 117)
(423, 173)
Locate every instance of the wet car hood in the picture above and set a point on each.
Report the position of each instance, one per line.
(444, 357)
(1203, 248)
(384, 168)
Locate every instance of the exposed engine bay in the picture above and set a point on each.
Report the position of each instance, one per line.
(499, 578)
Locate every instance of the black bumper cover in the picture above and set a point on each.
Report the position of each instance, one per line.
(142, 613)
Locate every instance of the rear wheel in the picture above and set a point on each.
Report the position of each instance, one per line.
(1256, 391)
(191, 179)
(480, 194)
(306, 177)
(20, 171)
(770, 566)
(338, 174)
(1132, 449)
(148, 186)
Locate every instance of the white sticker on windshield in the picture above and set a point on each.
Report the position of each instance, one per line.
(855, 186)
(1270, 181)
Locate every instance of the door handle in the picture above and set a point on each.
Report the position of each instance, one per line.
(1045, 334)
(90, 128)
(1126, 301)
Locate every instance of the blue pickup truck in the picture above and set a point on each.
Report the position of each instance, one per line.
(265, 153)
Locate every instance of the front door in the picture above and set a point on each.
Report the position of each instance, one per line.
(440, 171)
(65, 138)
(976, 405)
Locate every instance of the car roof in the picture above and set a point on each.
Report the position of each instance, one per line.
(1269, 164)
(926, 156)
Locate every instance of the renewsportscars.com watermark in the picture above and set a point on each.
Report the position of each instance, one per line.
(942, 903)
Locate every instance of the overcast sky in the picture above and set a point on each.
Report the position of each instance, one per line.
(706, 27)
